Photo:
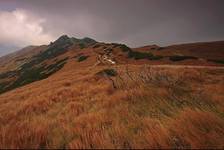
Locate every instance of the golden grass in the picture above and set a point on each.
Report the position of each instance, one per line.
(194, 129)
(149, 108)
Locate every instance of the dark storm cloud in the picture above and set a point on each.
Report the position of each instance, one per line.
(134, 22)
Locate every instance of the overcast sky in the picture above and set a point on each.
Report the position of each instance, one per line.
(133, 22)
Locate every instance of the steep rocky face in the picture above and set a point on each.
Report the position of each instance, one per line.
(66, 40)
(63, 40)
(58, 47)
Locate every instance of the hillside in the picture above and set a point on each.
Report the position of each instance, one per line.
(38, 62)
(204, 53)
(80, 93)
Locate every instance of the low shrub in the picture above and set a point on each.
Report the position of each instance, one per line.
(217, 61)
(160, 48)
(139, 55)
(143, 55)
(82, 58)
(81, 45)
(108, 72)
(156, 57)
(125, 48)
(180, 58)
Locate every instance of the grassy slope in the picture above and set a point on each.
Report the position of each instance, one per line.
(209, 53)
(146, 108)
(13, 60)
(207, 50)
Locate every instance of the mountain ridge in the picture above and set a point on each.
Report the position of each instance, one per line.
(35, 63)
(107, 95)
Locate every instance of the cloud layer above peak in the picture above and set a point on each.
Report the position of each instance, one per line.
(20, 28)
(132, 22)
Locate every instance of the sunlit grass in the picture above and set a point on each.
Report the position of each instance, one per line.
(149, 108)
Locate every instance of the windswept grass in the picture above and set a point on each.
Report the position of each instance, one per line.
(149, 108)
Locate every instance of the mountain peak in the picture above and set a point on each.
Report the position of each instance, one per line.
(66, 38)
(63, 38)
(88, 40)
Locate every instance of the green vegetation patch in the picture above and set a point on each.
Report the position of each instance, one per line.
(156, 57)
(180, 58)
(125, 48)
(143, 55)
(138, 55)
(29, 75)
(217, 61)
(8, 74)
(3, 86)
(82, 58)
(82, 46)
(108, 72)
(160, 48)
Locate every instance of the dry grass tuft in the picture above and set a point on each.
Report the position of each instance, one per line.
(151, 107)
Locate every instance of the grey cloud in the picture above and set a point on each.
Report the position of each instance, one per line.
(134, 22)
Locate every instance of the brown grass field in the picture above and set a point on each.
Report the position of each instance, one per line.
(141, 107)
